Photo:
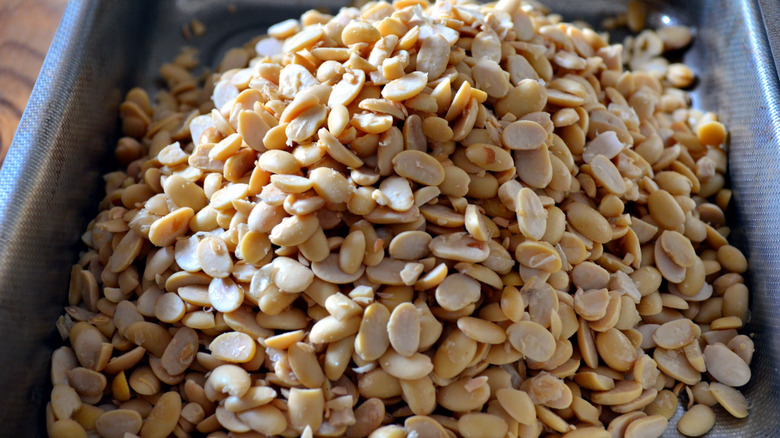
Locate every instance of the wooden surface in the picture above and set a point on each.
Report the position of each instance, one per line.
(26, 30)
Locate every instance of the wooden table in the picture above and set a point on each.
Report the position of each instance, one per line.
(26, 30)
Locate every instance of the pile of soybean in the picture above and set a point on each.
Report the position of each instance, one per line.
(411, 219)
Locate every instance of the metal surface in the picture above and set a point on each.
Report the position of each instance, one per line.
(50, 182)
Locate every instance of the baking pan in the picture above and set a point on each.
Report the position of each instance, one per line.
(50, 183)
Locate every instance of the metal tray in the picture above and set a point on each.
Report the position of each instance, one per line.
(50, 182)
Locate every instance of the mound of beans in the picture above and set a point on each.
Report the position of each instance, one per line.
(411, 220)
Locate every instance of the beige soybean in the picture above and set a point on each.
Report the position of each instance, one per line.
(454, 354)
(372, 340)
(475, 224)
(225, 419)
(617, 427)
(125, 361)
(64, 401)
(329, 270)
(538, 255)
(368, 418)
(229, 379)
(725, 365)
(433, 56)
(694, 279)
(534, 167)
(531, 215)
(457, 291)
(233, 347)
(456, 181)
(459, 246)
(551, 419)
(437, 129)
(405, 87)
(348, 88)
(676, 334)
(223, 198)
(338, 118)
(608, 175)
(396, 193)
(517, 404)
(255, 246)
(668, 268)
(290, 275)
(409, 245)
(616, 349)
(490, 157)
(306, 407)
(337, 150)
(588, 432)
(731, 399)
(460, 396)
(650, 426)
(180, 352)
(224, 295)
(116, 423)
(293, 230)
(165, 230)
(732, 259)
(675, 364)
(665, 404)
(591, 304)
(414, 367)
(66, 428)
(665, 210)
(697, 421)
(330, 184)
(430, 327)
(378, 383)
(442, 216)
(185, 193)
(588, 275)
(284, 340)
(481, 425)
(214, 257)
(674, 37)
(421, 425)
(254, 396)
(267, 420)
(403, 329)
(351, 252)
(152, 337)
(304, 364)
(678, 248)
(391, 431)
(418, 167)
(624, 391)
(743, 346)
(120, 387)
(419, 394)
(164, 416)
(277, 161)
(330, 329)
(701, 393)
(86, 341)
(291, 183)
(341, 307)
(524, 135)
(589, 222)
(481, 330)
(532, 340)
(193, 412)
